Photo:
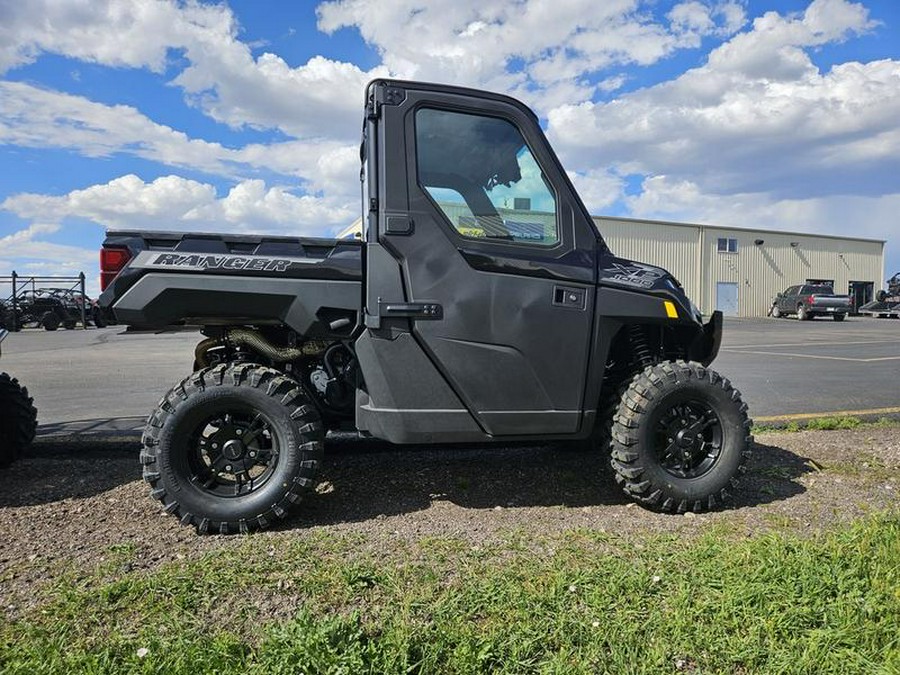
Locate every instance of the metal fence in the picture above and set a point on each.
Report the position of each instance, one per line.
(23, 284)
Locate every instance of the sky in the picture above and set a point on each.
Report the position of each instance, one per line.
(244, 116)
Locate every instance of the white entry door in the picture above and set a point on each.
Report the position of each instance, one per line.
(727, 298)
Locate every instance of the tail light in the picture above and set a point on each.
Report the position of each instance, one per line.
(112, 260)
(811, 299)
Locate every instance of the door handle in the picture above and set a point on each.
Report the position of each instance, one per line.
(429, 311)
(565, 296)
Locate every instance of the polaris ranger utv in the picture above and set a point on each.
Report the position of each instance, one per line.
(482, 306)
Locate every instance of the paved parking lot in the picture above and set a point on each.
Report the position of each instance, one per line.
(788, 367)
(105, 379)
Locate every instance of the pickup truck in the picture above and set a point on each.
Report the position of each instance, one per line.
(809, 301)
(483, 306)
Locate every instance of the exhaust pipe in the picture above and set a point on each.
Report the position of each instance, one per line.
(244, 337)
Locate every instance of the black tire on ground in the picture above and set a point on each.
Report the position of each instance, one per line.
(802, 313)
(839, 317)
(680, 437)
(200, 464)
(69, 325)
(97, 318)
(50, 321)
(10, 322)
(18, 419)
(776, 313)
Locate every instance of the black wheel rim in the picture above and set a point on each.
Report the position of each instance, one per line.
(688, 438)
(233, 452)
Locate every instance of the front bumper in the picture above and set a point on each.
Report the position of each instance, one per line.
(705, 347)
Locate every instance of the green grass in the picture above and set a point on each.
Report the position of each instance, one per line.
(582, 602)
(827, 423)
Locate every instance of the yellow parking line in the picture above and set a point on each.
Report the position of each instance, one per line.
(836, 413)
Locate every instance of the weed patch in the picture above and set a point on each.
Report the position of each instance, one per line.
(583, 601)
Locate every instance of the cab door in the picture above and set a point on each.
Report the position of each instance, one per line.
(496, 256)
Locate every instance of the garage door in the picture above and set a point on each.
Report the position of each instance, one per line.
(727, 298)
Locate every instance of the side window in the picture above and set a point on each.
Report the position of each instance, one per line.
(726, 245)
(484, 178)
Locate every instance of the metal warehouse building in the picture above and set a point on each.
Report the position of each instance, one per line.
(740, 271)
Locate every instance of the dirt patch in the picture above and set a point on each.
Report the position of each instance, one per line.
(68, 504)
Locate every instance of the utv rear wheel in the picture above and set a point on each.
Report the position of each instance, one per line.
(839, 317)
(680, 437)
(232, 448)
(18, 419)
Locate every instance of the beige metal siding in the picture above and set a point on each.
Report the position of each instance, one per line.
(760, 271)
(763, 270)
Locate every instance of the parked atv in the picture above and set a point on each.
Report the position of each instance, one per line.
(52, 308)
(18, 416)
(892, 292)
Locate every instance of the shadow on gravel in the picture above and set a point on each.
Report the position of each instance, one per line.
(64, 468)
(771, 476)
(361, 480)
(385, 480)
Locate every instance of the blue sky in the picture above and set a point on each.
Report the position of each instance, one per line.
(244, 116)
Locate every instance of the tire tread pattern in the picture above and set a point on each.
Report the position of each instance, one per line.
(275, 385)
(636, 400)
(19, 419)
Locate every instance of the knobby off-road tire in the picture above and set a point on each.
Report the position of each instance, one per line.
(18, 419)
(50, 321)
(97, 318)
(838, 317)
(776, 313)
(232, 448)
(680, 437)
(802, 313)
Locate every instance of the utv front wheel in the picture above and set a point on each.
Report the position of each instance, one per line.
(680, 437)
(232, 448)
(50, 321)
(18, 419)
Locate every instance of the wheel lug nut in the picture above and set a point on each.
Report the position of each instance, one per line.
(252, 453)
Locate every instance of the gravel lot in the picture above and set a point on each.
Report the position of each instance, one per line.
(66, 504)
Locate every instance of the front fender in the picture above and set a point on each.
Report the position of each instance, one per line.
(705, 347)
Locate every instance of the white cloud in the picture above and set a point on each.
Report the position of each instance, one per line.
(320, 98)
(598, 189)
(38, 118)
(27, 252)
(175, 203)
(759, 116)
(556, 44)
